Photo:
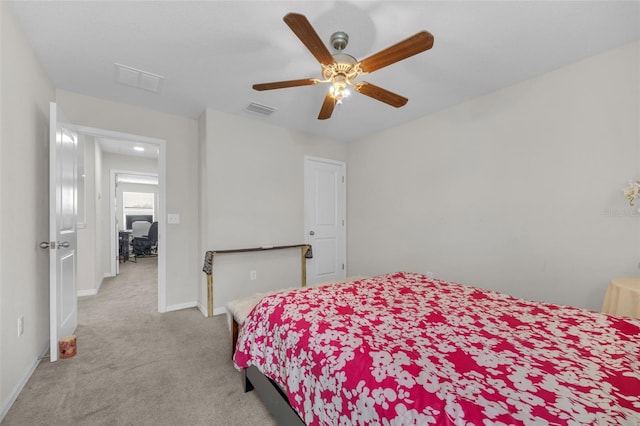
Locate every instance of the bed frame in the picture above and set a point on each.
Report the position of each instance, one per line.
(271, 396)
(305, 251)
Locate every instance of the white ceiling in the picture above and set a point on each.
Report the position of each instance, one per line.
(141, 179)
(211, 52)
(126, 147)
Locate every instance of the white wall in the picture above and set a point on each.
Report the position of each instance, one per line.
(518, 191)
(180, 134)
(254, 187)
(24, 222)
(203, 203)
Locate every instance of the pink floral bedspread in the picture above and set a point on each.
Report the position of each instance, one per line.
(404, 349)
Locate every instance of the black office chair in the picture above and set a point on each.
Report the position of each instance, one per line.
(147, 245)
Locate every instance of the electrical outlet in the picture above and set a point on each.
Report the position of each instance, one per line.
(20, 325)
(253, 275)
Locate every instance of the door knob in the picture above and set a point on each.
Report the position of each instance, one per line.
(312, 233)
(63, 244)
(47, 244)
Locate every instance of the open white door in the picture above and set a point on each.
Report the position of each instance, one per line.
(325, 210)
(63, 303)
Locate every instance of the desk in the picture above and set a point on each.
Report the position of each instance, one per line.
(623, 297)
(124, 240)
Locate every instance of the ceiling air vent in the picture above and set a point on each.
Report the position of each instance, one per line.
(137, 78)
(260, 109)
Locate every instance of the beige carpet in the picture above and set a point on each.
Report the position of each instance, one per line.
(137, 367)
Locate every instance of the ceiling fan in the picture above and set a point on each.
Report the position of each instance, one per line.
(342, 69)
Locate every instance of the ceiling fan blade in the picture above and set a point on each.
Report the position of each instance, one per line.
(302, 28)
(285, 84)
(380, 94)
(327, 107)
(413, 45)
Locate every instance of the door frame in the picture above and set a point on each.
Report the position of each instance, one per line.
(113, 238)
(162, 173)
(343, 201)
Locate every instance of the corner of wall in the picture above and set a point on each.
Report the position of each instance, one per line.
(24, 270)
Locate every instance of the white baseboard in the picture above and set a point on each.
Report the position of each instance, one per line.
(219, 311)
(91, 292)
(99, 285)
(216, 311)
(202, 309)
(6, 404)
(181, 306)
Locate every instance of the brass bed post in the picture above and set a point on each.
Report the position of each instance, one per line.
(210, 295)
(208, 269)
(306, 254)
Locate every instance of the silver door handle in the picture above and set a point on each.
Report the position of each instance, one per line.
(47, 244)
(312, 233)
(63, 244)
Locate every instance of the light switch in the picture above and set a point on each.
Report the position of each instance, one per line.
(173, 219)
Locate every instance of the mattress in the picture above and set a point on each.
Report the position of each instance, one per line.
(403, 348)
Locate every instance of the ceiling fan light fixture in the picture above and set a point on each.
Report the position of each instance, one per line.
(339, 91)
(339, 87)
(341, 70)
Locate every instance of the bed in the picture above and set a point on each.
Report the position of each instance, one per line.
(403, 349)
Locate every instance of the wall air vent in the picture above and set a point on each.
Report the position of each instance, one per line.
(260, 109)
(137, 78)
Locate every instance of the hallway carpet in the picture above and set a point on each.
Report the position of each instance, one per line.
(135, 366)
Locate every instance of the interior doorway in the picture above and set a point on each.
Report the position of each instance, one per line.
(107, 234)
(142, 207)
